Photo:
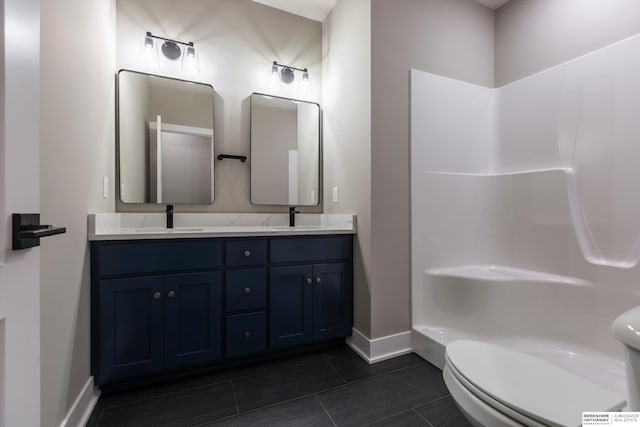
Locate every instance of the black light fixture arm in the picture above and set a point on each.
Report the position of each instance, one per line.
(304, 70)
(169, 40)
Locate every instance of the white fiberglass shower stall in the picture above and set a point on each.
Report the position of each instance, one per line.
(526, 211)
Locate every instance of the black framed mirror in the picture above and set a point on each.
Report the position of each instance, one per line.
(285, 151)
(165, 140)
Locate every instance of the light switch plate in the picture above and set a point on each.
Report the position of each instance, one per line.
(105, 187)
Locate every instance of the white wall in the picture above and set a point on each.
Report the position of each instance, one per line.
(533, 35)
(450, 38)
(346, 101)
(77, 109)
(19, 189)
(237, 41)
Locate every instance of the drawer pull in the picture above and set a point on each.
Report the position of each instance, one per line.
(318, 280)
(171, 294)
(247, 253)
(157, 295)
(247, 290)
(309, 280)
(247, 334)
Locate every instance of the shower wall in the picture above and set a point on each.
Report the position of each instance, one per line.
(539, 175)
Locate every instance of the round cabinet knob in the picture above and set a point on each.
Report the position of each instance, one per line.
(157, 295)
(247, 334)
(171, 294)
(247, 290)
(318, 280)
(309, 280)
(247, 253)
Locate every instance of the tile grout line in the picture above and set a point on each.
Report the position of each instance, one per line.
(100, 418)
(361, 380)
(325, 410)
(164, 394)
(437, 399)
(235, 398)
(344, 380)
(250, 411)
(421, 417)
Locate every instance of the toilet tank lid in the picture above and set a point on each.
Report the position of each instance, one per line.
(626, 328)
(529, 385)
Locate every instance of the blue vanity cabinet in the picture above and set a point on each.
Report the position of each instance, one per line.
(156, 306)
(164, 305)
(290, 305)
(131, 327)
(193, 313)
(332, 300)
(311, 297)
(246, 292)
(152, 323)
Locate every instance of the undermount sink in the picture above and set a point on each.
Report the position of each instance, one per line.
(166, 230)
(297, 227)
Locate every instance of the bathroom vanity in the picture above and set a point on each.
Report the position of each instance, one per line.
(164, 300)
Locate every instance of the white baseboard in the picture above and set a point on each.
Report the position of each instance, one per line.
(81, 409)
(382, 348)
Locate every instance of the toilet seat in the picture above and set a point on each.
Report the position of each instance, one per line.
(512, 416)
(525, 388)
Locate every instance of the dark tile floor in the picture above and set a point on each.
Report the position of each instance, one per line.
(331, 387)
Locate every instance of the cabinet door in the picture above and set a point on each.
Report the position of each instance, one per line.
(131, 327)
(193, 320)
(290, 295)
(332, 301)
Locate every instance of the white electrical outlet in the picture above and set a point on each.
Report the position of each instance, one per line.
(105, 187)
(335, 195)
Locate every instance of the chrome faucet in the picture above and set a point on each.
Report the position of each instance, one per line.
(169, 213)
(292, 216)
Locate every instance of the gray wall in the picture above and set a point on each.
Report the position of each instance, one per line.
(453, 38)
(77, 150)
(532, 35)
(346, 100)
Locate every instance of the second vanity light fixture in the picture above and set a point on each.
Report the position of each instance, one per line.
(171, 49)
(287, 72)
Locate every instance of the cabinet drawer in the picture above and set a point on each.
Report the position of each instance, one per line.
(311, 249)
(246, 333)
(157, 256)
(246, 252)
(246, 289)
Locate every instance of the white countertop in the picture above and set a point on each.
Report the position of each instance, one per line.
(138, 226)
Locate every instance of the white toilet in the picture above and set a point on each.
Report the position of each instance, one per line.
(626, 329)
(495, 386)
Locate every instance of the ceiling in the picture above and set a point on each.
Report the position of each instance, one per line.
(493, 4)
(319, 9)
(312, 9)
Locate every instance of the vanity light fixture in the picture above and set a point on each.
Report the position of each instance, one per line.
(171, 49)
(287, 72)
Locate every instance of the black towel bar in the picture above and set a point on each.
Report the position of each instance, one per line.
(231, 156)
